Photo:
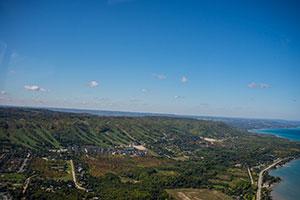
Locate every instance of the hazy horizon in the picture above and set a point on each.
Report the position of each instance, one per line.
(70, 109)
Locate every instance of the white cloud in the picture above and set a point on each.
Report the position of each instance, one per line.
(160, 76)
(184, 79)
(3, 92)
(264, 85)
(178, 97)
(93, 84)
(144, 90)
(254, 85)
(34, 88)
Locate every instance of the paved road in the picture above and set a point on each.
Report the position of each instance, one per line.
(74, 177)
(260, 178)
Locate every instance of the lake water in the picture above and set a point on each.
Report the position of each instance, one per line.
(288, 133)
(289, 187)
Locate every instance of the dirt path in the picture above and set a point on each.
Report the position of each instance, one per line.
(260, 178)
(74, 177)
(21, 170)
(250, 175)
(27, 181)
(183, 196)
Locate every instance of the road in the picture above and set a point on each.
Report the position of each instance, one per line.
(260, 178)
(74, 177)
(183, 196)
(21, 170)
(27, 181)
(250, 175)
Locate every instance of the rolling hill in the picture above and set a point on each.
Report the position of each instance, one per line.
(42, 130)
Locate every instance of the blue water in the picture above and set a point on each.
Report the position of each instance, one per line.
(289, 187)
(288, 133)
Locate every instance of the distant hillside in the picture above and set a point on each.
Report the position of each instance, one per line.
(42, 130)
(36, 128)
(243, 123)
(247, 124)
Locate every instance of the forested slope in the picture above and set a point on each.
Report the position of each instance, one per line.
(39, 129)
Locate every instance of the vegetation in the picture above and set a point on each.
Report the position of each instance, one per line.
(179, 194)
(52, 169)
(129, 157)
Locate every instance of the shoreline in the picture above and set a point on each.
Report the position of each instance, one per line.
(275, 181)
(276, 133)
(290, 127)
(260, 181)
(280, 165)
(262, 132)
(265, 130)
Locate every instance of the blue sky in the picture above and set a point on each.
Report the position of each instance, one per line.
(222, 58)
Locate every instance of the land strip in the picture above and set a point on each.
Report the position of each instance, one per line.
(250, 175)
(260, 178)
(77, 185)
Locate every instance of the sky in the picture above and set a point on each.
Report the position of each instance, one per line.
(192, 57)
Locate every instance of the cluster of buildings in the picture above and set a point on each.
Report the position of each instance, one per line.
(128, 150)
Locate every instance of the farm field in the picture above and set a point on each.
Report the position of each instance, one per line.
(197, 194)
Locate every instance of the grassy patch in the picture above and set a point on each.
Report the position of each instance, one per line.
(52, 169)
(101, 165)
(196, 194)
(12, 177)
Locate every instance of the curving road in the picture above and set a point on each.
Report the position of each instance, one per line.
(260, 178)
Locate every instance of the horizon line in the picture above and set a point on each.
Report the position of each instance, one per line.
(140, 112)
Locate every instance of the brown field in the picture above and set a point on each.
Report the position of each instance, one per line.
(197, 194)
(53, 169)
(150, 161)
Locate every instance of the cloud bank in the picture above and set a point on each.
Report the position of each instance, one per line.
(160, 76)
(93, 84)
(184, 79)
(178, 97)
(254, 85)
(34, 88)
